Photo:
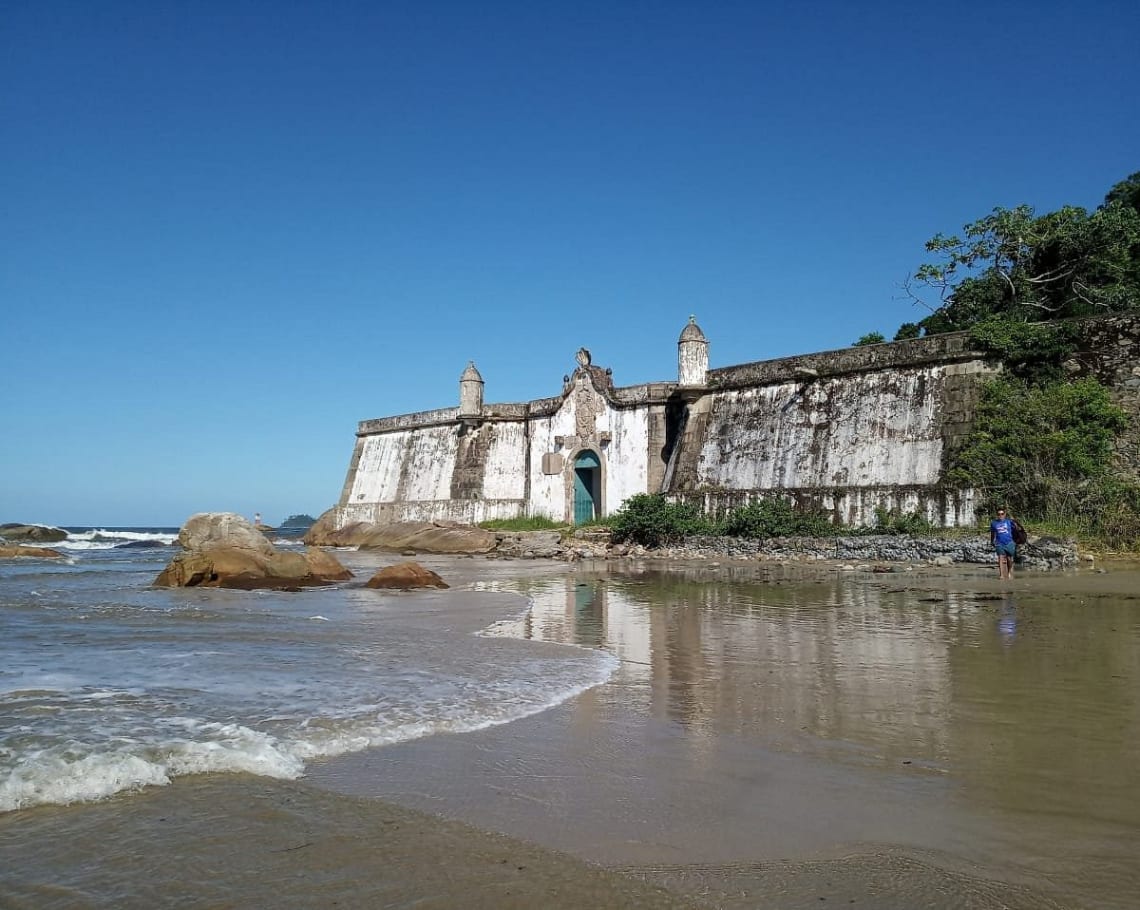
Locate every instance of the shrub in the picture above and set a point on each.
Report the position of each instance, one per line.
(1045, 452)
(651, 520)
(893, 521)
(776, 518)
(522, 523)
(1033, 351)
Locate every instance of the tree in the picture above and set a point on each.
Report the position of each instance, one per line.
(871, 338)
(1126, 192)
(1017, 265)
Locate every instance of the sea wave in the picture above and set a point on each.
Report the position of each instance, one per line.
(58, 776)
(109, 538)
(63, 769)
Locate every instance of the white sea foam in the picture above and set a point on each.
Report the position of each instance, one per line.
(134, 752)
(110, 685)
(358, 737)
(55, 776)
(109, 538)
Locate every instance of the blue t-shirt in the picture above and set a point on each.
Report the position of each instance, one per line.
(1002, 530)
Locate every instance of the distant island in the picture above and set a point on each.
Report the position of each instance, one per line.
(298, 521)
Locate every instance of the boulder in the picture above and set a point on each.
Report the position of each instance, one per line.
(406, 576)
(216, 529)
(11, 552)
(449, 537)
(318, 533)
(428, 537)
(39, 533)
(223, 550)
(348, 536)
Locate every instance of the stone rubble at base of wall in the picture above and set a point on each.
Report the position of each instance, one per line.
(1040, 553)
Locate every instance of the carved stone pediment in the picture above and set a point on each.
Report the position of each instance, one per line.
(588, 405)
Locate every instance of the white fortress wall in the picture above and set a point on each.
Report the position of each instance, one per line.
(627, 455)
(870, 429)
(378, 471)
(505, 476)
(548, 491)
(430, 461)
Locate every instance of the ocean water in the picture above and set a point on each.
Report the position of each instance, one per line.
(108, 684)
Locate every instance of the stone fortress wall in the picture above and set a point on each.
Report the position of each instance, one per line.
(847, 431)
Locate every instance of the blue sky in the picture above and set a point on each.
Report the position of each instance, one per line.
(230, 231)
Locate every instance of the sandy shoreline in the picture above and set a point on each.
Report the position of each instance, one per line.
(653, 790)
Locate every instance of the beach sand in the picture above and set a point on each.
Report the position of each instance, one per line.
(655, 789)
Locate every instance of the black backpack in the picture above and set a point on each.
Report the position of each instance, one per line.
(1019, 535)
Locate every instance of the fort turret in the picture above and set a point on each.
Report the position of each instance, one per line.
(692, 356)
(470, 393)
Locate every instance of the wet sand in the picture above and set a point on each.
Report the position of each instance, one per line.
(777, 736)
(247, 842)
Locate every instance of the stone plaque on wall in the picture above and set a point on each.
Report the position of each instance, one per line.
(551, 463)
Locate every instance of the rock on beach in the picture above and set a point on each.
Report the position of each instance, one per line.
(406, 576)
(223, 550)
(13, 531)
(17, 550)
(440, 537)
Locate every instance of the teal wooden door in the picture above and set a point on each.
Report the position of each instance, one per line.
(586, 471)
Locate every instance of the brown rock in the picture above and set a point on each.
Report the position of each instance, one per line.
(406, 576)
(428, 537)
(326, 565)
(38, 533)
(206, 530)
(320, 530)
(406, 537)
(223, 550)
(11, 552)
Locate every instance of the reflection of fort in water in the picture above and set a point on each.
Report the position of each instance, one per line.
(1009, 694)
(826, 659)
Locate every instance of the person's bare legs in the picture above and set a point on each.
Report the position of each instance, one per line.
(1005, 566)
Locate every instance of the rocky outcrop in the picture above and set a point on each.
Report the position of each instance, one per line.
(405, 537)
(39, 533)
(530, 544)
(406, 576)
(223, 550)
(16, 550)
(596, 543)
(1038, 553)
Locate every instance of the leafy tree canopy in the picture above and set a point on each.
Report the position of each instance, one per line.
(1016, 265)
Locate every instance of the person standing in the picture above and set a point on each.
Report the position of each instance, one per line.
(1001, 539)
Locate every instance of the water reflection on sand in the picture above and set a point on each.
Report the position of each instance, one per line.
(761, 715)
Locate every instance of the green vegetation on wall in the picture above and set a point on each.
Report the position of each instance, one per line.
(1045, 452)
(651, 520)
(1041, 445)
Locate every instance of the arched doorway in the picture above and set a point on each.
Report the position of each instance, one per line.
(587, 486)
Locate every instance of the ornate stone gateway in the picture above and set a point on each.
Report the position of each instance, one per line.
(587, 486)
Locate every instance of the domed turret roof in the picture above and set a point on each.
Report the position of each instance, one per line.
(470, 374)
(692, 332)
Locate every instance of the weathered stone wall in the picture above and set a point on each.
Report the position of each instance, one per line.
(847, 431)
(843, 442)
(1110, 352)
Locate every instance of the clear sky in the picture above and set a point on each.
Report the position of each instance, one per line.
(229, 231)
